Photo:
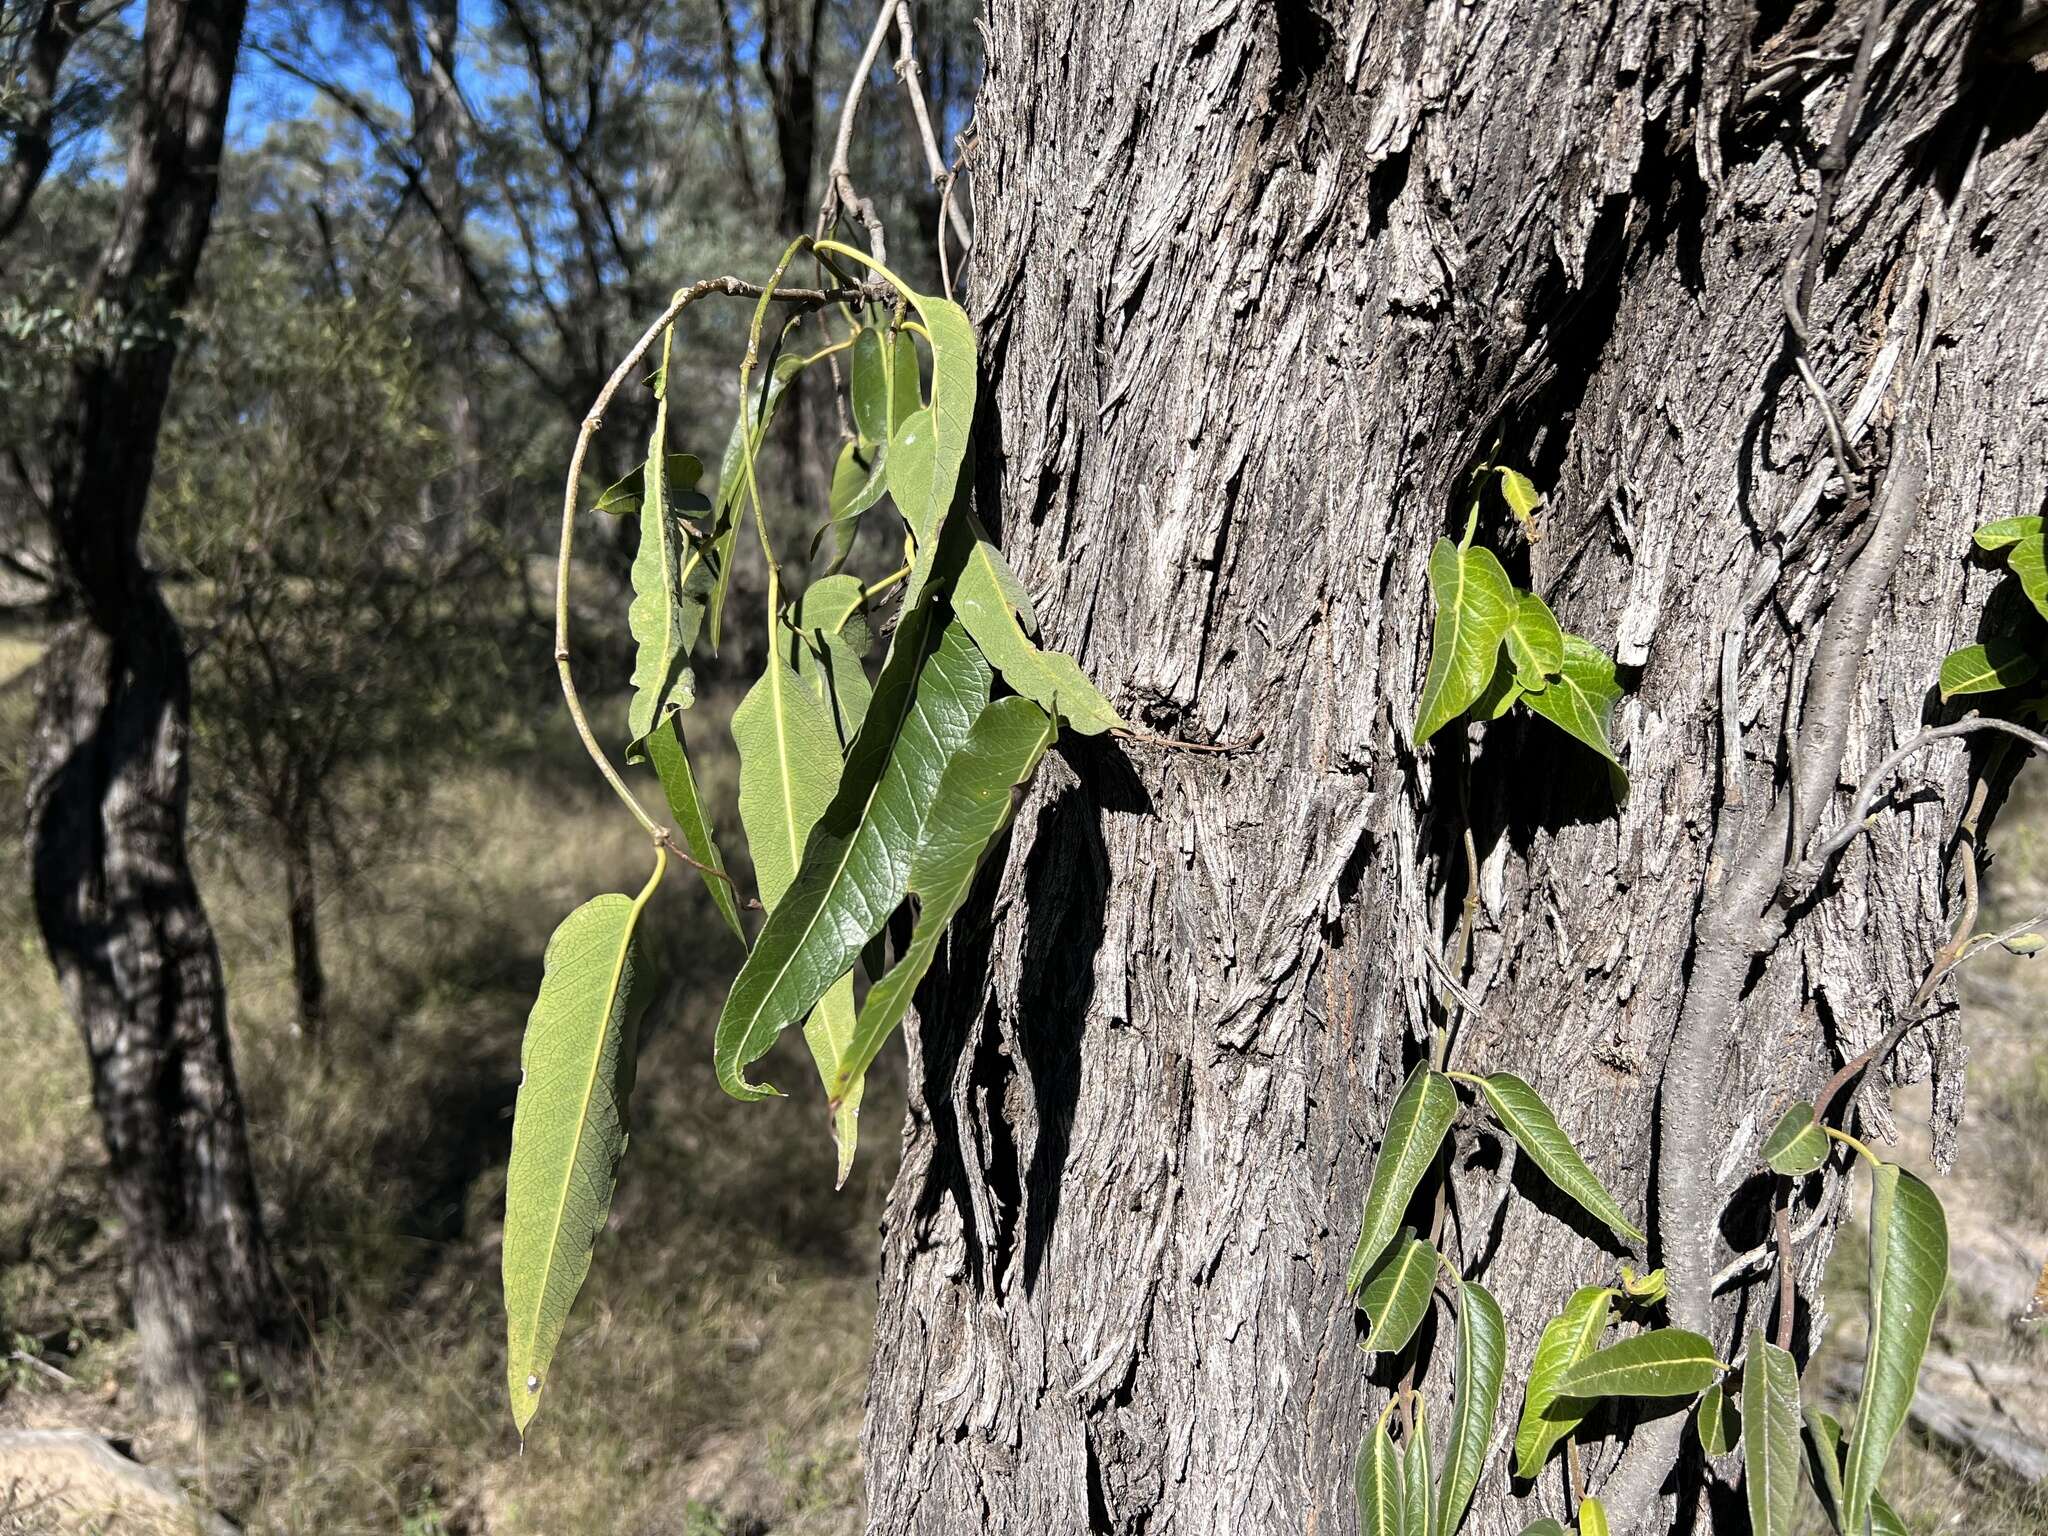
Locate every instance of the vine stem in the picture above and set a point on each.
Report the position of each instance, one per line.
(593, 419)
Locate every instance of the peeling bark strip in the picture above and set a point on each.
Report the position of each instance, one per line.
(108, 768)
(1257, 283)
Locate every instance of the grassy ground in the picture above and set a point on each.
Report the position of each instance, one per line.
(712, 1377)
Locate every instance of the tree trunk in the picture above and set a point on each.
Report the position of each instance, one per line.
(302, 915)
(113, 889)
(58, 24)
(1258, 286)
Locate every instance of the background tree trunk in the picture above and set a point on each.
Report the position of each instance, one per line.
(114, 893)
(1258, 285)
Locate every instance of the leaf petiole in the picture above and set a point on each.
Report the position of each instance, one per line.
(1851, 1142)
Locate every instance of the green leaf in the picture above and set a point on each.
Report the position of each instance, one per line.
(670, 756)
(1664, 1362)
(757, 413)
(1770, 1437)
(1519, 493)
(1416, 1125)
(993, 605)
(1382, 1486)
(1908, 1272)
(1417, 1480)
(1544, 1526)
(1500, 695)
(829, 1034)
(856, 868)
(1998, 663)
(669, 588)
(1824, 1462)
(1567, 1339)
(1396, 1294)
(1797, 1145)
(1884, 1520)
(1524, 1116)
(2027, 558)
(789, 767)
(2008, 531)
(975, 798)
(1592, 1517)
(868, 385)
(1580, 700)
(1716, 1421)
(626, 492)
(568, 1129)
(1475, 604)
(834, 634)
(1535, 643)
(1481, 1365)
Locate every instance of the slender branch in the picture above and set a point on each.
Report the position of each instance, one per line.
(1788, 1279)
(906, 70)
(839, 188)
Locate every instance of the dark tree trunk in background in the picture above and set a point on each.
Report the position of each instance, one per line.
(302, 915)
(108, 768)
(57, 26)
(1257, 285)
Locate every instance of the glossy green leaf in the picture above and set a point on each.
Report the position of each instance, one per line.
(1664, 1362)
(1382, 1485)
(1715, 1419)
(993, 605)
(670, 757)
(1519, 492)
(1592, 1517)
(1908, 1272)
(974, 801)
(1567, 1339)
(2027, 558)
(1824, 1462)
(1998, 663)
(1545, 1526)
(1797, 1145)
(568, 1129)
(832, 633)
(1416, 1126)
(1475, 605)
(1770, 1437)
(1524, 1116)
(856, 869)
(1418, 1490)
(1886, 1521)
(669, 588)
(1500, 695)
(1535, 643)
(2008, 531)
(1481, 1365)
(1396, 1294)
(1580, 700)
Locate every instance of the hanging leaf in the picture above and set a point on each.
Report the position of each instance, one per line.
(1592, 1517)
(1535, 643)
(568, 1129)
(1580, 700)
(1545, 1526)
(1396, 1294)
(668, 589)
(1908, 1272)
(973, 804)
(1475, 604)
(1524, 1116)
(1664, 1362)
(1716, 1422)
(1519, 493)
(626, 492)
(670, 757)
(1481, 1365)
(831, 634)
(2027, 558)
(1797, 1145)
(789, 767)
(1416, 1126)
(1382, 1486)
(1567, 1339)
(1986, 668)
(993, 605)
(1770, 1437)
(757, 413)
(856, 868)
(1418, 1489)
(1824, 1462)
(1500, 695)
(868, 386)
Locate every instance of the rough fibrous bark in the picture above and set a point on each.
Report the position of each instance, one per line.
(108, 769)
(1257, 285)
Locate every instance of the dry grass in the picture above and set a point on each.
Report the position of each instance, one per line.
(714, 1368)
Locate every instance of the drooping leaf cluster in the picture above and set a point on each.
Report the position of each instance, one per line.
(2007, 663)
(867, 785)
